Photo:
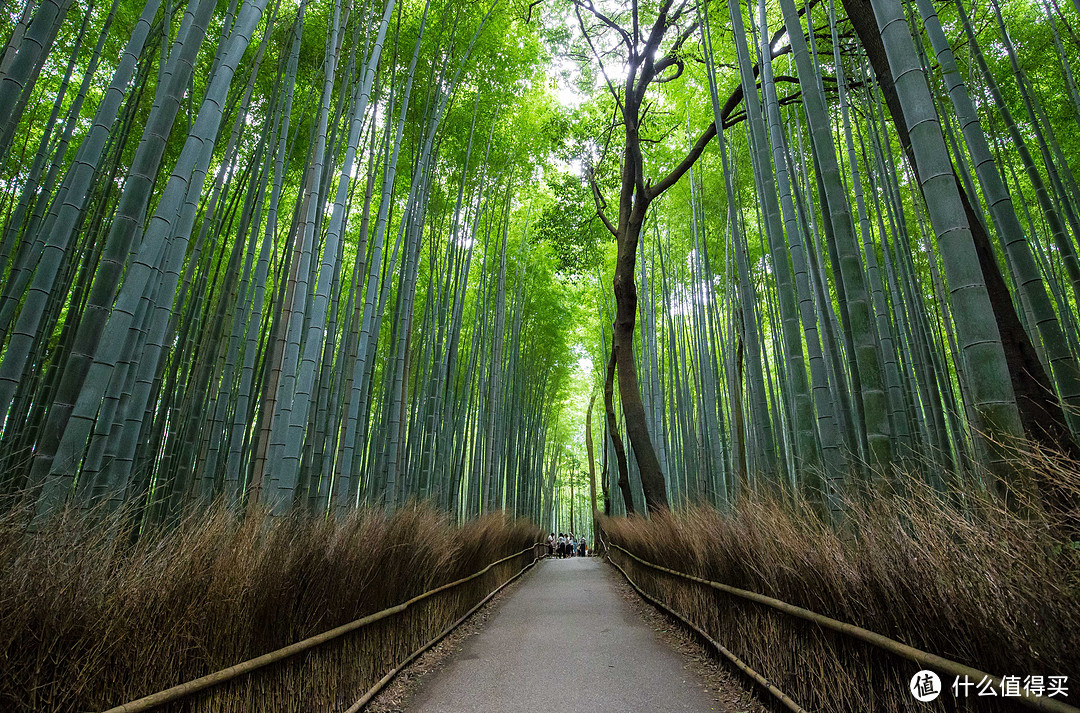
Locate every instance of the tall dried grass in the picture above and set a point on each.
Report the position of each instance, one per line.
(976, 583)
(88, 621)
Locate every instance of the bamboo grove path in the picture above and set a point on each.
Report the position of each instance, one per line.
(564, 641)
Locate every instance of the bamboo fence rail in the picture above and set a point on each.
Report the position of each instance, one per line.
(742, 665)
(189, 688)
(923, 658)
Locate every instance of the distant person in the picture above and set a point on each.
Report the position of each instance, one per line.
(551, 544)
(562, 545)
(583, 549)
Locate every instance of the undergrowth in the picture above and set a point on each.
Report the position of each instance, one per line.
(955, 574)
(90, 619)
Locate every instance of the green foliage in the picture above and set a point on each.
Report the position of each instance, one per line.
(571, 226)
(543, 125)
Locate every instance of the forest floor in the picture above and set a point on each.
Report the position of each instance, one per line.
(572, 636)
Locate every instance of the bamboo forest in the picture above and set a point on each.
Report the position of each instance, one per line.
(322, 320)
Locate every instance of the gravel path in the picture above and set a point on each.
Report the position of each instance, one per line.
(565, 641)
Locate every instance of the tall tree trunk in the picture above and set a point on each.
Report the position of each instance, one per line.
(616, 439)
(637, 429)
(592, 460)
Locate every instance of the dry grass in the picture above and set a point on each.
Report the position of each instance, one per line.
(86, 624)
(992, 589)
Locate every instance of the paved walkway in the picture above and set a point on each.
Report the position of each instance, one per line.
(564, 642)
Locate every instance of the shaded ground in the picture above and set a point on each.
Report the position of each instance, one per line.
(397, 694)
(571, 637)
(728, 687)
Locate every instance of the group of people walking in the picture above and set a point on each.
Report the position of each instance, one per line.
(566, 545)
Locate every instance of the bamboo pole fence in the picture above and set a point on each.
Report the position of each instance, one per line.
(892, 646)
(237, 671)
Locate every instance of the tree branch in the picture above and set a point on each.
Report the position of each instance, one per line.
(676, 173)
(699, 146)
(736, 119)
(528, 17)
(678, 64)
(600, 203)
(599, 61)
(675, 16)
(587, 4)
(656, 36)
